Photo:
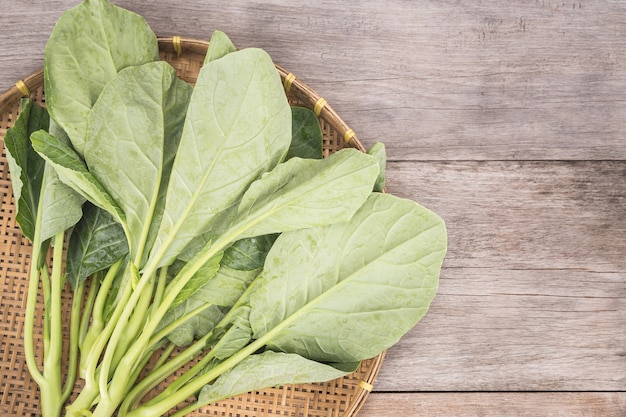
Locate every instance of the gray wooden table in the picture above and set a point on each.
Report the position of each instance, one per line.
(506, 118)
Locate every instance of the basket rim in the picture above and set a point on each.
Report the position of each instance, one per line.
(293, 85)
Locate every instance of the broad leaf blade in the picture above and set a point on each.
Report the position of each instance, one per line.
(350, 290)
(95, 244)
(132, 140)
(25, 165)
(238, 126)
(90, 43)
(307, 135)
(308, 192)
(264, 370)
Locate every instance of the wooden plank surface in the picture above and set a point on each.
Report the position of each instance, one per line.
(533, 293)
(506, 118)
(497, 405)
(433, 79)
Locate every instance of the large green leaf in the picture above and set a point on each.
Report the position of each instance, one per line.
(95, 244)
(25, 165)
(90, 43)
(348, 291)
(308, 192)
(238, 126)
(133, 135)
(73, 172)
(267, 369)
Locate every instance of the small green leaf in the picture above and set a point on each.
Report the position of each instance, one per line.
(264, 370)
(25, 165)
(236, 337)
(219, 46)
(248, 254)
(73, 172)
(306, 141)
(62, 206)
(95, 244)
(205, 274)
(195, 327)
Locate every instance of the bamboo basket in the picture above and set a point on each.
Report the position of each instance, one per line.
(19, 396)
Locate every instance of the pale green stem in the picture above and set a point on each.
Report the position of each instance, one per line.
(116, 340)
(46, 289)
(183, 379)
(31, 301)
(164, 356)
(133, 328)
(161, 407)
(74, 340)
(97, 321)
(160, 373)
(90, 391)
(161, 284)
(87, 311)
(51, 394)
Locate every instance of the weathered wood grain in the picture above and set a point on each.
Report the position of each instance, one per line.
(434, 80)
(533, 291)
(495, 405)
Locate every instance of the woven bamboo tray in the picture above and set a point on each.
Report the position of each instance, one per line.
(19, 393)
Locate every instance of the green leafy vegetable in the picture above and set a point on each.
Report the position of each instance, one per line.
(307, 192)
(88, 46)
(200, 218)
(62, 206)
